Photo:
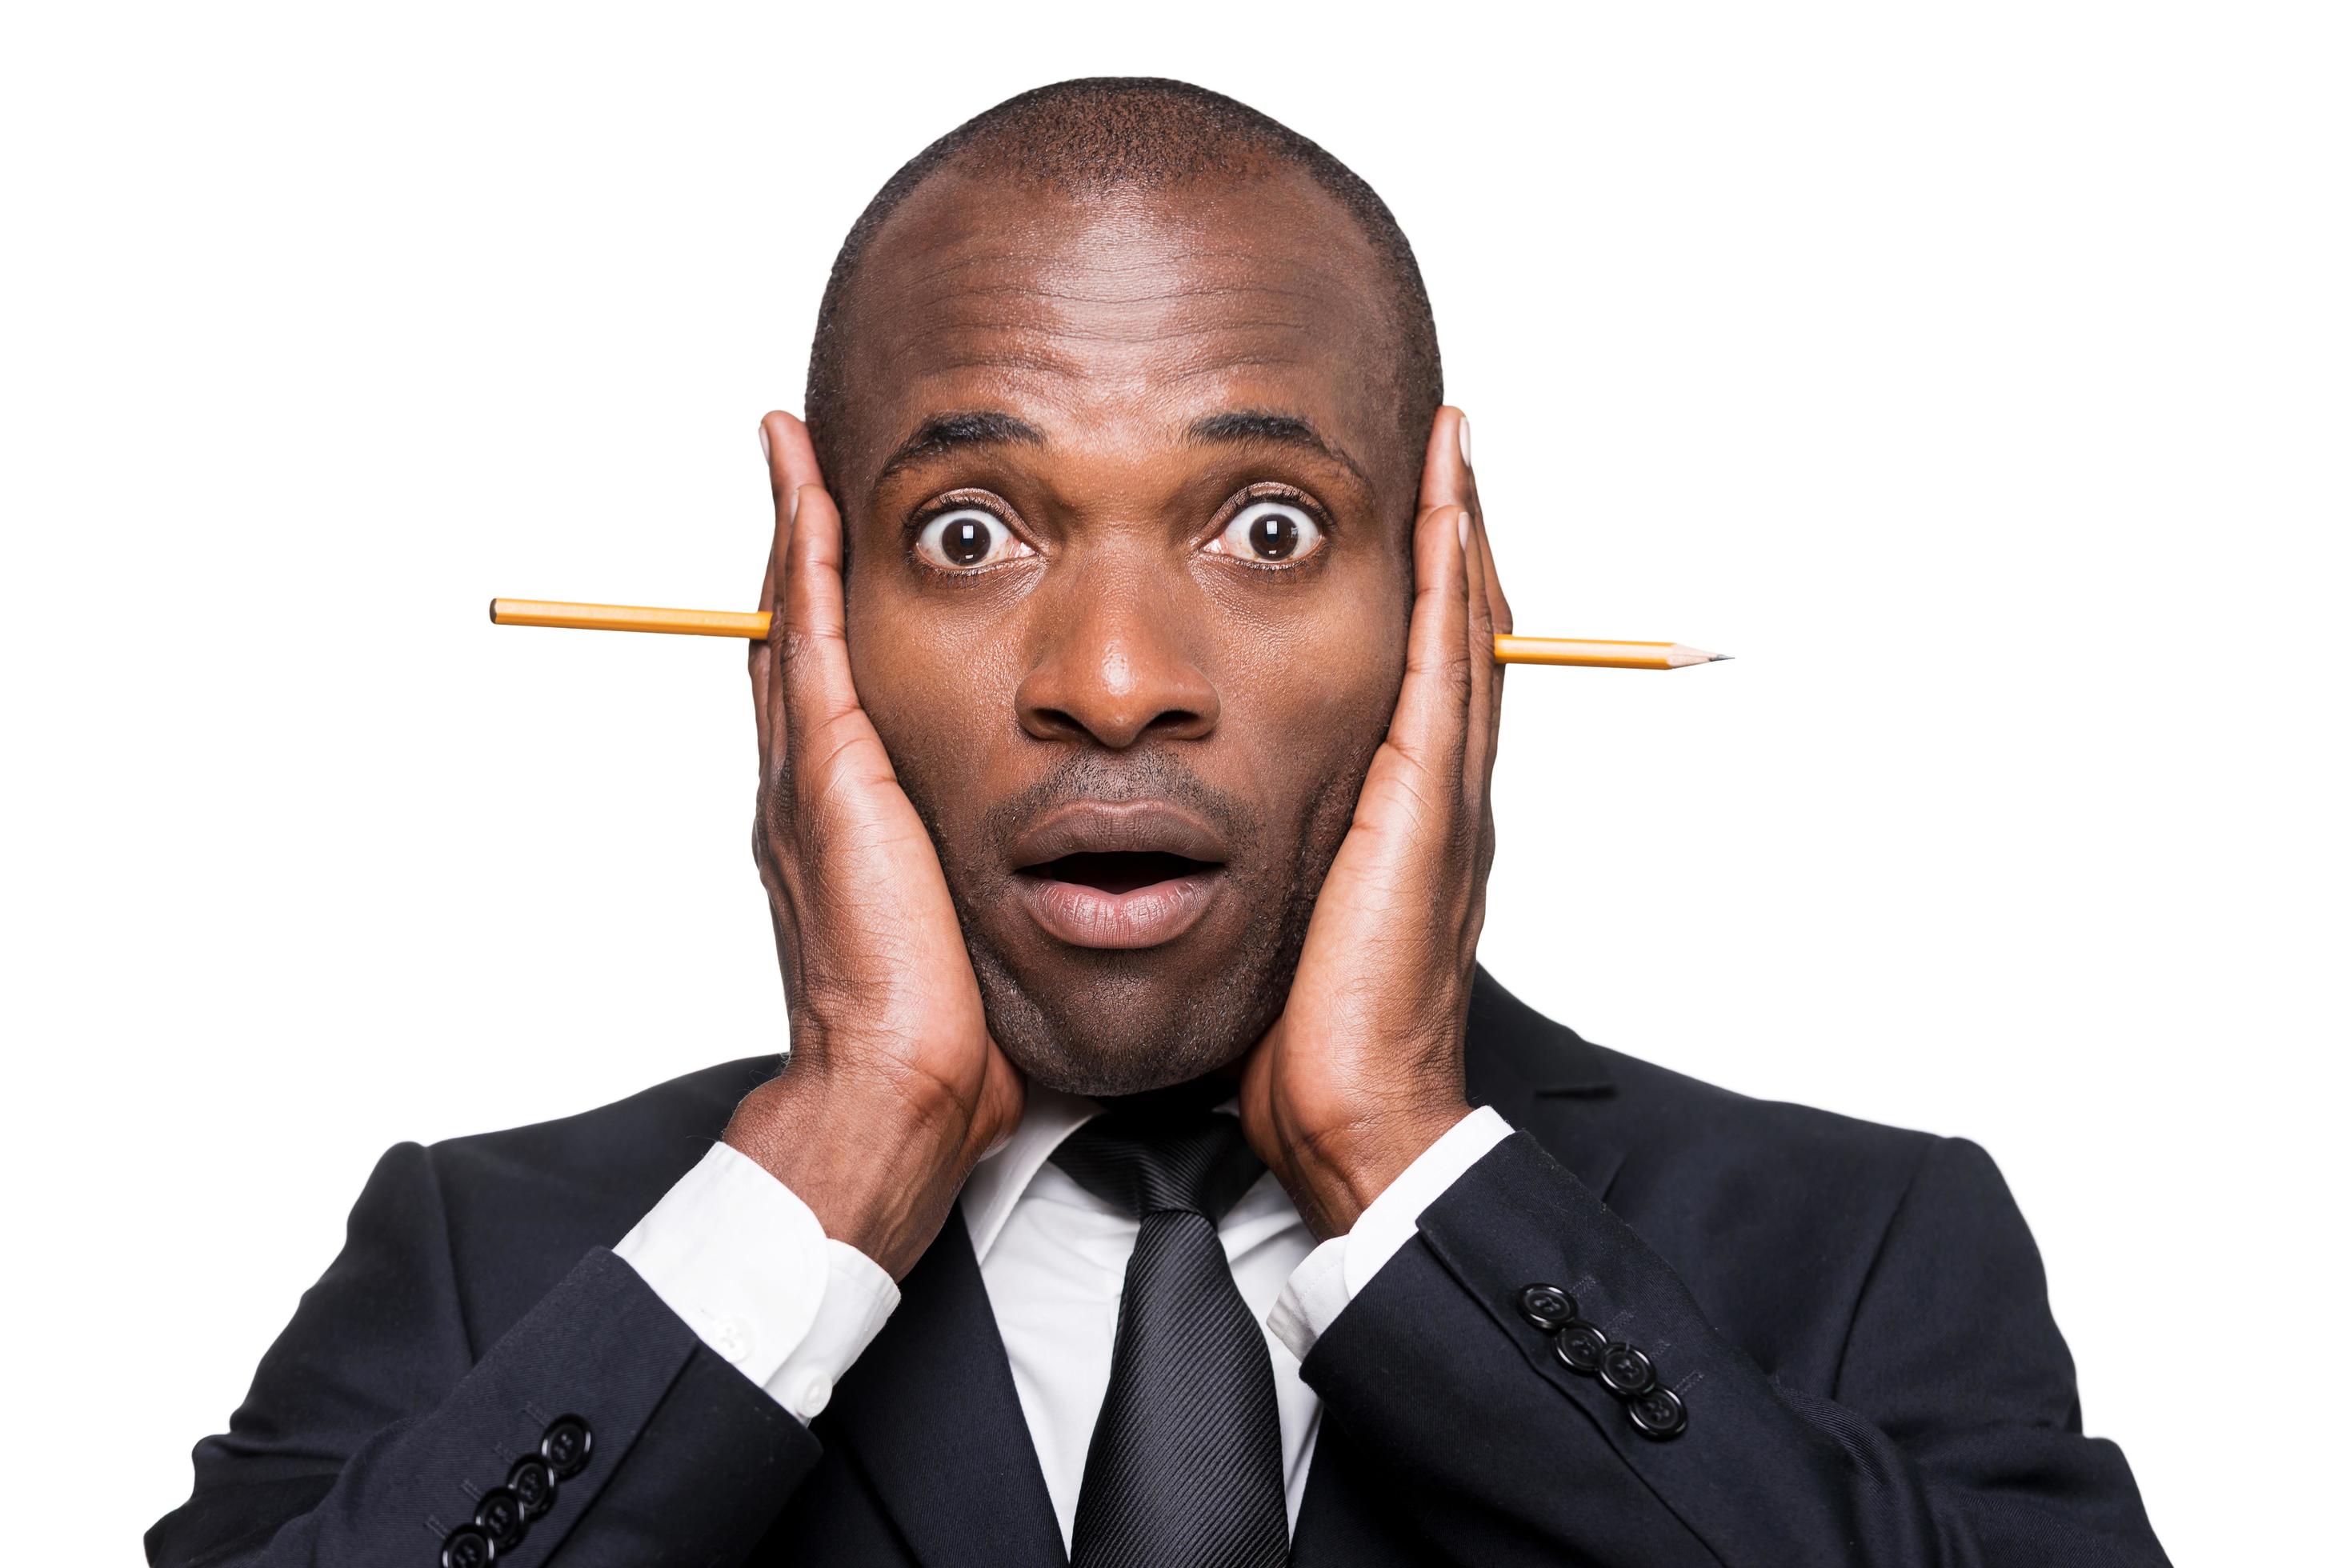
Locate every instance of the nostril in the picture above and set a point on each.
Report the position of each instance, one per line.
(1117, 731)
(1058, 722)
(1181, 720)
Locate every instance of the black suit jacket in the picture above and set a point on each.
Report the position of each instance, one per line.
(1854, 1316)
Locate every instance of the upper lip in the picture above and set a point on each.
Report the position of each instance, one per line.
(1108, 827)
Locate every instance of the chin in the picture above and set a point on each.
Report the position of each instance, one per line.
(1102, 1024)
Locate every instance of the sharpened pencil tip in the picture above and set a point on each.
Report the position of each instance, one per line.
(1717, 657)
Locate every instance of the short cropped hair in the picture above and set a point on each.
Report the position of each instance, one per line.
(1096, 132)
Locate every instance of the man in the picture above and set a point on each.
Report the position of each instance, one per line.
(1154, 1177)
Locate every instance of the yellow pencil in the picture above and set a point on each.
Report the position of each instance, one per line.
(1603, 653)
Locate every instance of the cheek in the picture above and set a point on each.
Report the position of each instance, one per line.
(938, 695)
(1309, 697)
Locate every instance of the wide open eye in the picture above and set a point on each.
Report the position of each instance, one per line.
(1270, 531)
(966, 539)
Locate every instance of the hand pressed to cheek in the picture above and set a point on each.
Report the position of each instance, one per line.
(887, 1047)
(1363, 1070)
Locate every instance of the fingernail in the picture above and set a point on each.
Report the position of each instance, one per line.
(1464, 527)
(791, 514)
(1464, 438)
(766, 449)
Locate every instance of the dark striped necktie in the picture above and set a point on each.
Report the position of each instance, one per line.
(1185, 1467)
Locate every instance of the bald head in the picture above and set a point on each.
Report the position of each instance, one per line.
(1120, 147)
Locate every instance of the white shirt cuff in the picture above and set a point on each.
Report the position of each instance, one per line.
(1335, 1273)
(745, 1263)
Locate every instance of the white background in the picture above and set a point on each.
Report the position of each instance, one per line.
(1975, 373)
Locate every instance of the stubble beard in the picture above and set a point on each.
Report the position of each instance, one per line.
(1115, 1029)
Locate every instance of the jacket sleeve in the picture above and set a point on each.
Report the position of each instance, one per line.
(377, 1433)
(1952, 1440)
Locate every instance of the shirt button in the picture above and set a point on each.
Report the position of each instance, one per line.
(815, 1393)
(726, 1339)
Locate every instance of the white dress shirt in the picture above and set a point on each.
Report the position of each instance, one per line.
(736, 1254)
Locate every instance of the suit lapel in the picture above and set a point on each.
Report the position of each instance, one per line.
(934, 1421)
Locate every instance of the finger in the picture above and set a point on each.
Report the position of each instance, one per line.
(1448, 470)
(1498, 620)
(1477, 648)
(811, 636)
(1446, 479)
(1499, 607)
(1444, 466)
(1497, 602)
(762, 659)
(790, 460)
(1495, 612)
(1431, 710)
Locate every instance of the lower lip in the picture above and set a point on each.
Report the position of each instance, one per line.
(1088, 918)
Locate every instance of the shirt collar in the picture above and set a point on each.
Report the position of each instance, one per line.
(998, 1181)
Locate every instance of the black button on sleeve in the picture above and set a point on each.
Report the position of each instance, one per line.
(1546, 1307)
(500, 1515)
(1627, 1371)
(564, 1447)
(532, 1484)
(467, 1547)
(1580, 1345)
(1659, 1414)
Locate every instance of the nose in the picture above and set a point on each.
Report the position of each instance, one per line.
(1113, 668)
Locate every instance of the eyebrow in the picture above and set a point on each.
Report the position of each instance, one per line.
(1264, 427)
(943, 434)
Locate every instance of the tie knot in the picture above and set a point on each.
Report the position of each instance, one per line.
(1156, 1162)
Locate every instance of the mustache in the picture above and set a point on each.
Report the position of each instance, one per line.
(1113, 778)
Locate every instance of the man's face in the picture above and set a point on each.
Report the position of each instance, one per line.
(1128, 501)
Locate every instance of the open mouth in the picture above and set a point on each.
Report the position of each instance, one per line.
(1119, 872)
(1119, 899)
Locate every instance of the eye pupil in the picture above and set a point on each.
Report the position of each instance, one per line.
(1273, 536)
(964, 541)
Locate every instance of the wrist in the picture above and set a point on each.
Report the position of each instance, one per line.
(879, 1167)
(1335, 1174)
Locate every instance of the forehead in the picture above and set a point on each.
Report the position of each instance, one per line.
(1116, 320)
